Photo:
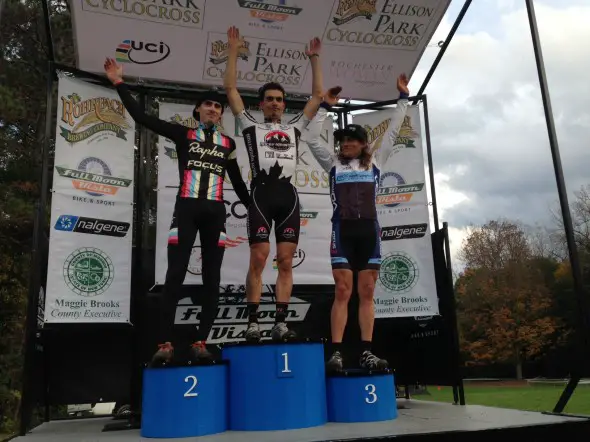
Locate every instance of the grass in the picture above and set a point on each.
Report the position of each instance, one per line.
(514, 395)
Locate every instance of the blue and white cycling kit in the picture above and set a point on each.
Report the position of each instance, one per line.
(356, 234)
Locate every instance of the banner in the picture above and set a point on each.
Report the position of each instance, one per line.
(311, 262)
(89, 265)
(366, 43)
(406, 284)
(309, 176)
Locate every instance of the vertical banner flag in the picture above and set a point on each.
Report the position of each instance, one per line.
(406, 285)
(89, 266)
(311, 265)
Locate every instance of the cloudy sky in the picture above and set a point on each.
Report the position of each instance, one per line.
(490, 145)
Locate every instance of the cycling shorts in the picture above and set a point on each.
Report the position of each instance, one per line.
(356, 245)
(278, 202)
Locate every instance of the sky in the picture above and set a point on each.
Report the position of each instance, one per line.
(490, 146)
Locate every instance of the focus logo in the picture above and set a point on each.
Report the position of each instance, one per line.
(139, 52)
(278, 140)
(93, 226)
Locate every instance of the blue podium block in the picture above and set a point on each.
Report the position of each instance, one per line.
(276, 386)
(184, 401)
(361, 396)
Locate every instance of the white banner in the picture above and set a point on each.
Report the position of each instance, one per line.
(406, 284)
(366, 43)
(309, 176)
(310, 266)
(89, 268)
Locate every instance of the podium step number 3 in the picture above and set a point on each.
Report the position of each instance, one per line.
(361, 397)
(184, 401)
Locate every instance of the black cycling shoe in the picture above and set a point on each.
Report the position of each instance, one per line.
(371, 362)
(199, 353)
(335, 362)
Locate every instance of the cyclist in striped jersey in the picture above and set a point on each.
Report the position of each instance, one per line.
(204, 156)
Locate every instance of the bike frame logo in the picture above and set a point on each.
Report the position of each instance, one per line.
(394, 191)
(86, 118)
(88, 271)
(399, 272)
(94, 177)
(349, 10)
(270, 11)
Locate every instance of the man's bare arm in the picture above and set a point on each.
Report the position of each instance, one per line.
(317, 81)
(230, 79)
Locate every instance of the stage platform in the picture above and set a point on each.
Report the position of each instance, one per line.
(418, 420)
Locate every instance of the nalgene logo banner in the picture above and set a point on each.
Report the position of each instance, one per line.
(232, 318)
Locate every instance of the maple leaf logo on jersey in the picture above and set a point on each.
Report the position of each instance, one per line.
(278, 140)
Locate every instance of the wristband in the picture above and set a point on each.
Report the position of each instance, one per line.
(313, 55)
(326, 106)
(117, 83)
(403, 95)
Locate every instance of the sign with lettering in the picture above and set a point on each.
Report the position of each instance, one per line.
(406, 285)
(90, 239)
(366, 43)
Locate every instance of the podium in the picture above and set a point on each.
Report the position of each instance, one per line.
(184, 401)
(276, 386)
(361, 396)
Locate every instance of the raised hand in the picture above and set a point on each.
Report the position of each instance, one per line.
(332, 95)
(402, 84)
(233, 38)
(113, 70)
(314, 47)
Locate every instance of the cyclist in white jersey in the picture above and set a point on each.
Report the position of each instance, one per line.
(272, 150)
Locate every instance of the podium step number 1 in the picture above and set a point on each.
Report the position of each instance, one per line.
(184, 401)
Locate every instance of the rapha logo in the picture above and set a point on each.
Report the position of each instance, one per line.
(139, 52)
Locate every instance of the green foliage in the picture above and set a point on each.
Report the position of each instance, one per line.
(23, 75)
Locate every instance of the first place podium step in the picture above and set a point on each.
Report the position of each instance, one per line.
(184, 401)
(276, 386)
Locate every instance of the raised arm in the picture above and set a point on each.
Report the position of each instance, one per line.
(319, 150)
(382, 154)
(170, 130)
(237, 182)
(230, 78)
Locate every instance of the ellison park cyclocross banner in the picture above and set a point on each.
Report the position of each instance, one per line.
(406, 285)
(312, 258)
(366, 43)
(89, 266)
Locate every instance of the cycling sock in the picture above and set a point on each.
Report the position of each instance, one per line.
(252, 312)
(281, 312)
(365, 346)
(336, 346)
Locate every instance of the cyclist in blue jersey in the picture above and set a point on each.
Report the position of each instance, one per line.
(204, 156)
(355, 245)
(272, 148)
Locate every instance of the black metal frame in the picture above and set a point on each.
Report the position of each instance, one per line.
(342, 110)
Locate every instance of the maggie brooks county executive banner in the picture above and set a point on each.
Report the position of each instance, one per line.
(406, 285)
(312, 257)
(89, 267)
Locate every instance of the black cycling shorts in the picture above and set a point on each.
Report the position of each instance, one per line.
(276, 202)
(356, 245)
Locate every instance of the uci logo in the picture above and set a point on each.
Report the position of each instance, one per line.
(140, 52)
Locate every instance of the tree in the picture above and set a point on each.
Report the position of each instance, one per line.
(503, 298)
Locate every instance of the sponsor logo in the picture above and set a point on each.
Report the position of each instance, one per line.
(277, 140)
(349, 10)
(232, 315)
(269, 11)
(399, 272)
(394, 191)
(220, 48)
(88, 271)
(94, 177)
(262, 232)
(393, 25)
(408, 231)
(94, 116)
(183, 13)
(289, 232)
(93, 226)
(140, 52)
(298, 258)
(306, 215)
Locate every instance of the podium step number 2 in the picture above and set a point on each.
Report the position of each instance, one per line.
(184, 401)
